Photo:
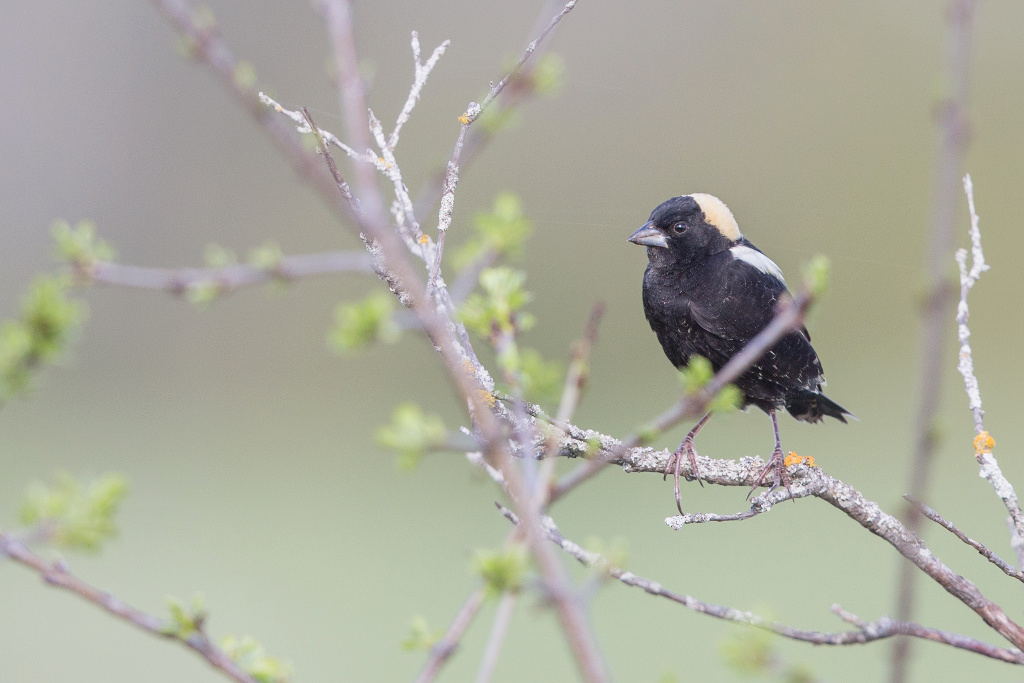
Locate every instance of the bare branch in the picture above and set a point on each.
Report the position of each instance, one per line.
(56, 574)
(473, 111)
(227, 278)
(983, 441)
(442, 651)
(951, 115)
(866, 633)
(506, 607)
(421, 72)
(980, 547)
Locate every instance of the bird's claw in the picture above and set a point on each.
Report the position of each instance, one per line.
(776, 465)
(675, 463)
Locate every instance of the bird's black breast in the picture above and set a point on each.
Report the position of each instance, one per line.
(713, 307)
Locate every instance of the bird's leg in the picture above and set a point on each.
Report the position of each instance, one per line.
(776, 464)
(675, 462)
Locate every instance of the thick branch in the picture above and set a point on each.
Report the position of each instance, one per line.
(57, 575)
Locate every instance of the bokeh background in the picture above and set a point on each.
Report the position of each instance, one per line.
(248, 443)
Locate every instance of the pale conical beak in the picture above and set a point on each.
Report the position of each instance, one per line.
(648, 236)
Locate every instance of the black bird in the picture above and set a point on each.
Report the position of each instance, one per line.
(708, 291)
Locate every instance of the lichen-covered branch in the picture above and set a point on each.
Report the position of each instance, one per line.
(983, 441)
(806, 481)
(58, 575)
(866, 631)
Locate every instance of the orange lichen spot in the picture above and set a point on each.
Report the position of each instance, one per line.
(983, 443)
(464, 119)
(467, 365)
(487, 397)
(792, 459)
(809, 461)
(423, 239)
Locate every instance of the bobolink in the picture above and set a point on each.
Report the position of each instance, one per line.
(708, 291)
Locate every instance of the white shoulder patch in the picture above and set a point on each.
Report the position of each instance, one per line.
(718, 214)
(758, 260)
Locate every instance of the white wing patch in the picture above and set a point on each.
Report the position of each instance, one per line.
(758, 260)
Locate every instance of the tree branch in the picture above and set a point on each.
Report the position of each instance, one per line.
(951, 114)
(806, 481)
(980, 547)
(56, 574)
(227, 278)
(442, 651)
(983, 441)
(866, 633)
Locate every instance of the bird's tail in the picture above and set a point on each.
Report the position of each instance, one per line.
(811, 406)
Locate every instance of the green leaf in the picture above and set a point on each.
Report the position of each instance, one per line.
(548, 75)
(748, 651)
(81, 516)
(216, 256)
(697, 373)
(267, 256)
(540, 380)
(729, 399)
(79, 244)
(501, 570)
(501, 232)
(48, 319)
(361, 323)
(421, 637)
(184, 621)
(412, 433)
(497, 307)
(816, 274)
(252, 658)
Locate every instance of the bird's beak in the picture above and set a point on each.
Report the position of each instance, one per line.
(648, 236)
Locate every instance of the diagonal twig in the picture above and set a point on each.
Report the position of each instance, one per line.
(789, 318)
(56, 574)
(980, 547)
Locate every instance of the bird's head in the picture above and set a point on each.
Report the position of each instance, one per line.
(688, 228)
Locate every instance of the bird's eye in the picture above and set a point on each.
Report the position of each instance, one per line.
(679, 228)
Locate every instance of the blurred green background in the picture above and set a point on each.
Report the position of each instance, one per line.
(249, 445)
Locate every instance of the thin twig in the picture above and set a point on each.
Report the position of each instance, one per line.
(866, 631)
(443, 650)
(789, 318)
(473, 111)
(420, 74)
(506, 607)
(58, 575)
(342, 184)
(226, 278)
(951, 114)
(983, 441)
(980, 547)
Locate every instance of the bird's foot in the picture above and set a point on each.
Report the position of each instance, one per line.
(776, 465)
(675, 463)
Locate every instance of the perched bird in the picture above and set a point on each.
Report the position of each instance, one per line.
(708, 291)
